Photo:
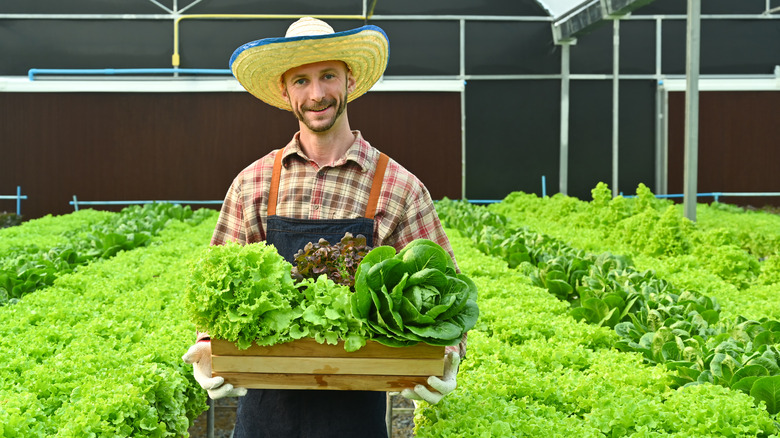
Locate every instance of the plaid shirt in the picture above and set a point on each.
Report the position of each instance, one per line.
(404, 212)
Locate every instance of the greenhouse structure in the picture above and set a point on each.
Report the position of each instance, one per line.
(139, 97)
(592, 248)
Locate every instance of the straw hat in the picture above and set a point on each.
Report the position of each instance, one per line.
(259, 65)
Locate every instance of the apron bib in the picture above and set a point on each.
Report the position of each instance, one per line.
(298, 413)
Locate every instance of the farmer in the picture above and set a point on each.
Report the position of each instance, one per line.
(327, 181)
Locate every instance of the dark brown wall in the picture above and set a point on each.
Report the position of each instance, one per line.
(189, 146)
(739, 144)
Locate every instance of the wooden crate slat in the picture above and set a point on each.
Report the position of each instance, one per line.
(327, 365)
(310, 347)
(323, 381)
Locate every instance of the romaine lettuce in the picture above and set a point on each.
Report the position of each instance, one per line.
(414, 296)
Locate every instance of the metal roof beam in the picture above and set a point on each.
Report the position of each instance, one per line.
(590, 15)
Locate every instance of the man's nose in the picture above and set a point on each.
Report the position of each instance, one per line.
(316, 91)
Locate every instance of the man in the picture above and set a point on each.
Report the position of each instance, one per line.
(326, 182)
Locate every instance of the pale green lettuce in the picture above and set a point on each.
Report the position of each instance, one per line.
(243, 294)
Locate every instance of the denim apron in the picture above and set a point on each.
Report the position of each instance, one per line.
(297, 413)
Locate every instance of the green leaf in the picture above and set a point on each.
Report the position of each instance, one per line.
(439, 330)
(766, 338)
(559, 287)
(445, 304)
(724, 366)
(428, 276)
(463, 289)
(411, 315)
(744, 384)
(467, 318)
(599, 307)
(711, 316)
(423, 253)
(354, 342)
(361, 298)
(584, 314)
(749, 371)
(383, 273)
(378, 254)
(614, 301)
(767, 389)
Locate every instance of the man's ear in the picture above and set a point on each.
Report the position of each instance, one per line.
(351, 82)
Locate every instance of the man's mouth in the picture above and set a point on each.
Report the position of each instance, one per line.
(321, 108)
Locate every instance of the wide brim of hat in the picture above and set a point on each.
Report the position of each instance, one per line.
(259, 65)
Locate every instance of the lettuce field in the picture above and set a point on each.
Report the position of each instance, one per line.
(608, 318)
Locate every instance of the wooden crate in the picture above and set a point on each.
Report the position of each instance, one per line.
(307, 364)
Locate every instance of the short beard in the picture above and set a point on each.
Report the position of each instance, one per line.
(342, 106)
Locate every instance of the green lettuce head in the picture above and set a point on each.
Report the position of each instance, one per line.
(414, 296)
(243, 294)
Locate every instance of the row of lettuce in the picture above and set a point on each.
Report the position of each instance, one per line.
(98, 352)
(531, 370)
(33, 260)
(682, 350)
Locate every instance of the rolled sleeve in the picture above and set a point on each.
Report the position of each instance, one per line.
(230, 224)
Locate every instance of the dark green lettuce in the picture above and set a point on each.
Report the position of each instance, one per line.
(414, 296)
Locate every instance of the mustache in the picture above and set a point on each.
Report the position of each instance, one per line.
(321, 105)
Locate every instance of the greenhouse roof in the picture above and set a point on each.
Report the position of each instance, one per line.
(573, 18)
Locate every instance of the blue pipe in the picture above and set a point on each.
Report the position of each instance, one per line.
(114, 71)
(18, 196)
(680, 195)
(75, 202)
(716, 195)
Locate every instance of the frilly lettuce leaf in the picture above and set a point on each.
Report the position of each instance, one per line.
(243, 294)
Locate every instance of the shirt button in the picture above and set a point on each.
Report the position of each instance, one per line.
(316, 207)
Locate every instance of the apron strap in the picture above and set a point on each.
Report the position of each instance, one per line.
(373, 198)
(273, 192)
(376, 186)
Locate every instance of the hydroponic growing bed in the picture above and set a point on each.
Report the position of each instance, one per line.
(615, 317)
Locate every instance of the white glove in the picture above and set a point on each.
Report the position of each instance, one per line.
(443, 386)
(199, 355)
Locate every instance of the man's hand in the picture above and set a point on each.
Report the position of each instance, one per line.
(442, 386)
(199, 355)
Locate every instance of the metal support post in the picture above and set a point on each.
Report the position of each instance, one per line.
(210, 419)
(389, 414)
(564, 151)
(692, 109)
(615, 104)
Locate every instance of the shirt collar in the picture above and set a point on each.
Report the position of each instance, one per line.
(359, 152)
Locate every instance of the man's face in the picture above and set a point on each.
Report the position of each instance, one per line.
(318, 93)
